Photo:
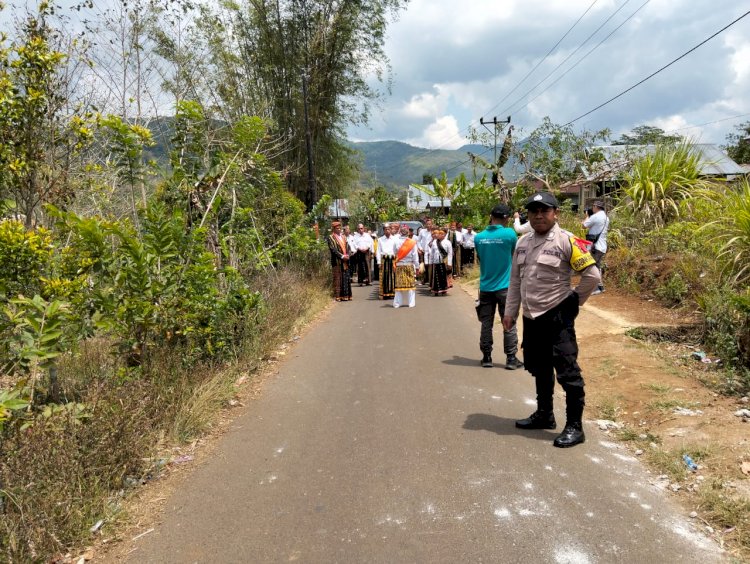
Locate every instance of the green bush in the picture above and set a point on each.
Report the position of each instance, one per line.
(24, 256)
(726, 331)
(674, 290)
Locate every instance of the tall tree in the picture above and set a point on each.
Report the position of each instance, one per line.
(557, 156)
(647, 135)
(40, 133)
(738, 143)
(305, 64)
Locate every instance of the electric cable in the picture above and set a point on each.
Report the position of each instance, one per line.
(551, 84)
(553, 71)
(653, 74)
(517, 86)
(466, 130)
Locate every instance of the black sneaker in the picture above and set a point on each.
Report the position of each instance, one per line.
(487, 361)
(512, 363)
(538, 420)
(571, 435)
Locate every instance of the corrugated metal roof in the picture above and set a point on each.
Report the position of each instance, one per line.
(713, 161)
(339, 208)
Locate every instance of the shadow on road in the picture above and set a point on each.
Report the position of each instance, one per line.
(463, 361)
(503, 426)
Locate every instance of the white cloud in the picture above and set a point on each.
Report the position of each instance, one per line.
(424, 105)
(455, 62)
(443, 133)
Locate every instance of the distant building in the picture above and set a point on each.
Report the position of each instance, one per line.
(605, 177)
(418, 201)
(339, 210)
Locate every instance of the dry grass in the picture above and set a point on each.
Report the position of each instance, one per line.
(62, 475)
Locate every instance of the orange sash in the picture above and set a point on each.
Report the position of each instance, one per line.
(405, 249)
(341, 242)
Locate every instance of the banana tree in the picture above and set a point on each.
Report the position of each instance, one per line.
(441, 189)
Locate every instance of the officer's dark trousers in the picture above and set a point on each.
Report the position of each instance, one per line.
(549, 348)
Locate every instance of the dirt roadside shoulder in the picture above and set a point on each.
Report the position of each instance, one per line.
(652, 396)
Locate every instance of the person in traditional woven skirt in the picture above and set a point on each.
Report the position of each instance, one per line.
(363, 245)
(424, 236)
(385, 258)
(441, 255)
(407, 265)
(342, 280)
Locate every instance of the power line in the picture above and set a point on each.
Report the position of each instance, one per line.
(686, 53)
(707, 123)
(542, 61)
(466, 130)
(550, 85)
(569, 56)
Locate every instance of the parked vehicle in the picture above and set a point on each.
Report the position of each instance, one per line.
(415, 225)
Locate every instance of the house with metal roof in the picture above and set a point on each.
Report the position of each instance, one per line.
(339, 210)
(605, 176)
(420, 201)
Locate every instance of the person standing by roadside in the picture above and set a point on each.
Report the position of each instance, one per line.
(456, 237)
(598, 225)
(543, 264)
(364, 245)
(467, 246)
(385, 257)
(495, 246)
(424, 236)
(521, 228)
(342, 281)
(440, 258)
(407, 265)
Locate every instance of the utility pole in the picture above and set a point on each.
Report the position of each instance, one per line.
(495, 122)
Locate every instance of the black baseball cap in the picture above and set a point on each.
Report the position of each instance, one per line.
(543, 199)
(501, 211)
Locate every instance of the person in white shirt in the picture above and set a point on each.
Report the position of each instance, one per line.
(521, 228)
(424, 236)
(441, 256)
(385, 256)
(363, 247)
(455, 236)
(396, 231)
(467, 246)
(407, 265)
(597, 224)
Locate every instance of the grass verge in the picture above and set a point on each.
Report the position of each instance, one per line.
(72, 468)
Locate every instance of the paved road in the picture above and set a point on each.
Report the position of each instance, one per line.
(382, 440)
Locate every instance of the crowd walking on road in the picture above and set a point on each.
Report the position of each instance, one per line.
(527, 268)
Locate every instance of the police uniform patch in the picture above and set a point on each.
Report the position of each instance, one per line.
(580, 257)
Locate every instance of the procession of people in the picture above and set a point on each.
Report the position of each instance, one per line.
(524, 270)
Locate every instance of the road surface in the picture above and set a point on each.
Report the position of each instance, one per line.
(382, 440)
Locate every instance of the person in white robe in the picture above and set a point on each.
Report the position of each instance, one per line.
(407, 266)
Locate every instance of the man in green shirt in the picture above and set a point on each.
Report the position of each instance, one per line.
(494, 247)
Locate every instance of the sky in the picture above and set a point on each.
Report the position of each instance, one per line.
(454, 62)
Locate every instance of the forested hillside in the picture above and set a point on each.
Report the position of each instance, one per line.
(395, 163)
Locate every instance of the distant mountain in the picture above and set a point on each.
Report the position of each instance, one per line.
(396, 163)
(385, 163)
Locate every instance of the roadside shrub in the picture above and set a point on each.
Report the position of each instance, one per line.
(659, 184)
(673, 291)
(24, 256)
(726, 330)
(730, 229)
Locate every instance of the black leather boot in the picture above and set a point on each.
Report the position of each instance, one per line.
(487, 360)
(538, 420)
(571, 435)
